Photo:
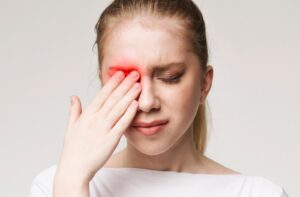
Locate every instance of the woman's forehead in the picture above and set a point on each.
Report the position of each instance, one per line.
(129, 36)
(132, 46)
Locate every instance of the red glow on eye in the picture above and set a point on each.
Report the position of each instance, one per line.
(126, 69)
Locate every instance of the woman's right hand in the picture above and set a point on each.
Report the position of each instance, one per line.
(93, 135)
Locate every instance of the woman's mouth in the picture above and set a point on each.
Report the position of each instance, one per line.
(150, 128)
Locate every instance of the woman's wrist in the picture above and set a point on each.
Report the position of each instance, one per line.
(72, 175)
(70, 185)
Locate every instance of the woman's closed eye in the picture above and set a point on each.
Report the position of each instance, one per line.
(172, 79)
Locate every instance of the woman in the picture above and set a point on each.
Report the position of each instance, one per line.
(153, 66)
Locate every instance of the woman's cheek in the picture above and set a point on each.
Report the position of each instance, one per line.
(185, 96)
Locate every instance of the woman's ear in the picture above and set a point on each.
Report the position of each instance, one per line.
(206, 83)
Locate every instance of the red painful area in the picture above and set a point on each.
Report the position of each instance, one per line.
(125, 69)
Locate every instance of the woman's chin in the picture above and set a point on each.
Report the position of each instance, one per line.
(144, 146)
(150, 152)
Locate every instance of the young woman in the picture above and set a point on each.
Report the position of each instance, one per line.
(153, 67)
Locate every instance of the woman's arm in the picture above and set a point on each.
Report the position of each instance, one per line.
(68, 186)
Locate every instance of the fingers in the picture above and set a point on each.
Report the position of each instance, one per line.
(75, 110)
(124, 121)
(106, 91)
(121, 107)
(119, 93)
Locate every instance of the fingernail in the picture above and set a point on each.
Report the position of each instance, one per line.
(120, 74)
(137, 86)
(134, 74)
(134, 104)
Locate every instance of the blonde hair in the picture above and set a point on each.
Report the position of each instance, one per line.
(192, 28)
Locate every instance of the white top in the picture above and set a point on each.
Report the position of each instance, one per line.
(137, 182)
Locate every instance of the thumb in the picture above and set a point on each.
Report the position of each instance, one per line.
(75, 110)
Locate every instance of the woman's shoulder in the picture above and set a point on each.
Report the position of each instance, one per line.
(45, 175)
(42, 183)
(255, 184)
(259, 185)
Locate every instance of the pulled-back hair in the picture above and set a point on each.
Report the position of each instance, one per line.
(188, 19)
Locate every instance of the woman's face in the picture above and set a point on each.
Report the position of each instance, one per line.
(148, 49)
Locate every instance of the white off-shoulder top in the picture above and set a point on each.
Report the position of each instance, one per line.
(138, 182)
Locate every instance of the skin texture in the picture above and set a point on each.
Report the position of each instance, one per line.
(132, 45)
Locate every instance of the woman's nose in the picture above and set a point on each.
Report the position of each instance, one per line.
(147, 99)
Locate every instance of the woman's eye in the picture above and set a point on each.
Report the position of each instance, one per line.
(171, 80)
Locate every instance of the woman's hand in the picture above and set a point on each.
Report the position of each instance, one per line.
(93, 135)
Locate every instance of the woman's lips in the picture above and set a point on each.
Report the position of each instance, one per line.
(150, 130)
(149, 124)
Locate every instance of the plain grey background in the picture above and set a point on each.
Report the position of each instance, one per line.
(46, 56)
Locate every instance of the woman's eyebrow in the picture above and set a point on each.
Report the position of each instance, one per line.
(156, 68)
(165, 67)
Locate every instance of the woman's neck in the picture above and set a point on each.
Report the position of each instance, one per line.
(182, 157)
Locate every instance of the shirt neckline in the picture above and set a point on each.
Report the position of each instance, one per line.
(170, 172)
